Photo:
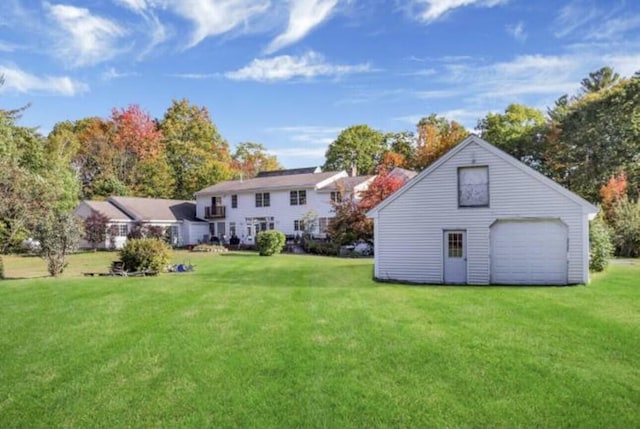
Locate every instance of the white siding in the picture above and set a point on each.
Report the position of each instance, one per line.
(84, 211)
(409, 229)
(193, 232)
(280, 209)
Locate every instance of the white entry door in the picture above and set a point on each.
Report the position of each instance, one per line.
(455, 257)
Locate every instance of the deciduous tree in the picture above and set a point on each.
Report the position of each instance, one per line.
(519, 131)
(59, 234)
(251, 158)
(380, 188)
(196, 152)
(358, 146)
(436, 135)
(95, 229)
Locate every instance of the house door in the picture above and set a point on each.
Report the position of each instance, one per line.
(221, 230)
(455, 257)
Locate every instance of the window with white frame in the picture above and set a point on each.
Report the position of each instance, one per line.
(298, 225)
(323, 225)
(298, 198)
(473, 186)
(234, 201)
(336, 196)
(123, 229)
(263, 199)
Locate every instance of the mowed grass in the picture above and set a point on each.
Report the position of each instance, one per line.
(301, 341)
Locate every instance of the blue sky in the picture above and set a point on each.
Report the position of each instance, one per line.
(292, 74)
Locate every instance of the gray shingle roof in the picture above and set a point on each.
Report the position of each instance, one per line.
(108, 210)
(156, 209)
(346, 183)
(308, 180)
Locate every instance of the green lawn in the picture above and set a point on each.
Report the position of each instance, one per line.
(301, 341)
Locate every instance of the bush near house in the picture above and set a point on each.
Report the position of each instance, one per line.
(601, 247)
(145, 254)
(270, 242)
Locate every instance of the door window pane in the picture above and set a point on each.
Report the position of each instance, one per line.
(455, 244)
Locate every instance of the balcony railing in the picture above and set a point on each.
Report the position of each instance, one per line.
(214, 212)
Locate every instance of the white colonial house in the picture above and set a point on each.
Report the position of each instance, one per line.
(178, 217)
(479, 216)
(280, 200)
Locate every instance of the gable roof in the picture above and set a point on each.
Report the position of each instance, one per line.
(109, 210)
(346, 183)
(403, 173)
(587, 206)
(290, 171)
(156, 209)
(290, 181)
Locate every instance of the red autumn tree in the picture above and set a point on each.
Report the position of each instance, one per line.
(612, 192)
(136, 132)
(382, 186)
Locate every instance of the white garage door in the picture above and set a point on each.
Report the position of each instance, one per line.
(529, 252)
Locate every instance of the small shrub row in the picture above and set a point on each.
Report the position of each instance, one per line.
(211, 248)
(320, 247)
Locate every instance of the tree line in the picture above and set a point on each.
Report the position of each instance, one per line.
(589, 142)
(581, 142)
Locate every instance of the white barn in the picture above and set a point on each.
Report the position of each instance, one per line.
(479, 216)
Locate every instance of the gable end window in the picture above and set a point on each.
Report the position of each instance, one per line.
(298, 198)
(473, 186)
(263, 199)
(234, 201)
(336, 196)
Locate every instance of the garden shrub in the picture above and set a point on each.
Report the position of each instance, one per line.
(626, 228)
(270, 242)
(145, 254)
(320, 247)
(601, 246)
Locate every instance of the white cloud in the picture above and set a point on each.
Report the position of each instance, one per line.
(155, 29)
(575, 15)
(111, 74)
(87, 39)
(438, 93)
(614, 28)
(624, 64)
(285, 67)
(215, 17)
(517, 31)
(313, 135)
(195, 75)
(17, 80)
(135, 5)
(304, 16)
(304, 153)
(7, 47)
(432, 10)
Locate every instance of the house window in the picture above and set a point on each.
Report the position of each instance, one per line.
(234, 201)
(175, 234)
(263, 199)
(473, 187)
(323, 225)
(336, 196)
(298, 225)
(123, 230)
(298, 198)
(232, 228)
